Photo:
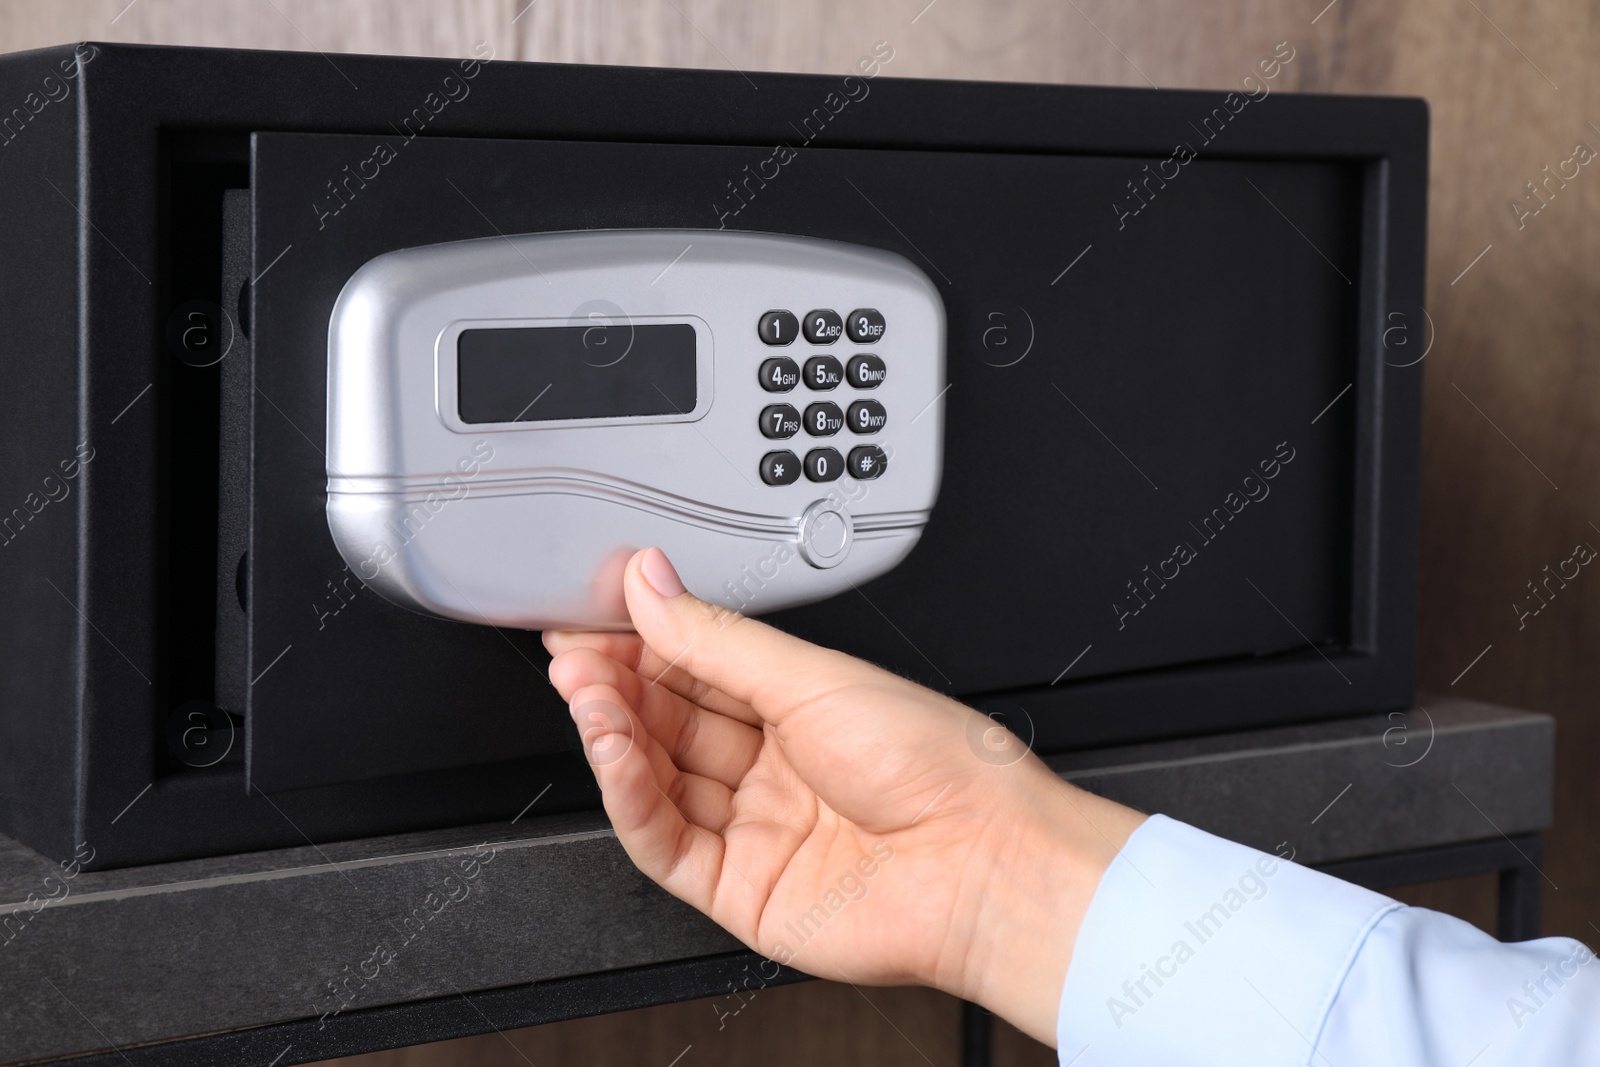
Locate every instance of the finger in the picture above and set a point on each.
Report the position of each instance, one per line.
(702, 801)
(631, 651)
(753, 663)
(694, 739)
(620, 646)
(684, 859)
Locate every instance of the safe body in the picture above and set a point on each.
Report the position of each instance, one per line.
(1176, 492)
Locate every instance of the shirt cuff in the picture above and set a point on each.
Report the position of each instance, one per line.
(1197, 950)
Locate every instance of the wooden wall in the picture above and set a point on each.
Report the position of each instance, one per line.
(1511, 448)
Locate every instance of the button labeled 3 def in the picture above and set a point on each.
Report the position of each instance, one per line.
(865, 325)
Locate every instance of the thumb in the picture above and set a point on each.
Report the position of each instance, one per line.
(749, 661)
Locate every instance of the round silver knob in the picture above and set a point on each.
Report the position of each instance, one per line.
(825, 534)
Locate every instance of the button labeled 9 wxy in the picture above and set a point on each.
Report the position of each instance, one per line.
(867, 416)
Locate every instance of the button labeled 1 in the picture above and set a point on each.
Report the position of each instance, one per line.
(778, 328)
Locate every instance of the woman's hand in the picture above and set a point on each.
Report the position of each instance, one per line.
(829, 814)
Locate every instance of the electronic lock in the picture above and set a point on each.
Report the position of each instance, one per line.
(510, 418)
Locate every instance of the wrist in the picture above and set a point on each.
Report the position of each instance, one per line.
(1041, 878)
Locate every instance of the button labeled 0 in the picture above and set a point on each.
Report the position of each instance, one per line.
(824, 464)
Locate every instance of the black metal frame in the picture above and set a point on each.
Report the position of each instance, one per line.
(80, 737)
(1516, 859)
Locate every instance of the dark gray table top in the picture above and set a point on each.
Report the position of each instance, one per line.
(130, 957)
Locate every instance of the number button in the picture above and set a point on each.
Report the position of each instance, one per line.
(824, 464)
(824, 419)
(823, 372)
(778, 328)
(779, 421)
(867, 461)
(780, 468)
(779, 375)
(865, 326)
(867, 416)
(823, 327)
(865, 371)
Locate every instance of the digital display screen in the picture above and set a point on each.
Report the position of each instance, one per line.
(546, 373)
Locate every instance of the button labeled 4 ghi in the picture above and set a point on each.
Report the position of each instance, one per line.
(779, 421)
(867, 416)
(779, 375)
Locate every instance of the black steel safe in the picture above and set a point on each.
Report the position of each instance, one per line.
(1154, 298)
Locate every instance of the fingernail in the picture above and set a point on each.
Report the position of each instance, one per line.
(658, 571)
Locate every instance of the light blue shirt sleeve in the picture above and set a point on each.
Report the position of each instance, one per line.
(1198, 951)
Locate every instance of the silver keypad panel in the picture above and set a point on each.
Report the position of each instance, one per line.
(510, 418)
